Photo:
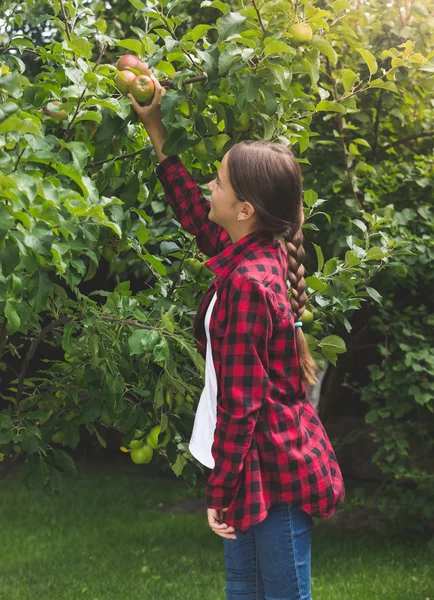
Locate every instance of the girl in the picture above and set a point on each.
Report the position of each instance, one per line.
(273, 466)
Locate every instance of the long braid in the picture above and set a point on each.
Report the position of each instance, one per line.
(296, 253)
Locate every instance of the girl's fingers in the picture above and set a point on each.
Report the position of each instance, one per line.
(134, 102)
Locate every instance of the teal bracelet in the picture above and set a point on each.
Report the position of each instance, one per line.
(299, 324)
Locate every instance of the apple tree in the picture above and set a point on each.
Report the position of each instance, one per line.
(99, 285)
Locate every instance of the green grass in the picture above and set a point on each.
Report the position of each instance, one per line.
(105, 538)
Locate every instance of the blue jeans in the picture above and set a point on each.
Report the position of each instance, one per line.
(271, 560)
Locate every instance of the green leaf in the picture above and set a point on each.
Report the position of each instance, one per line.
(351, 260)
(67, 337)
(14, 123)
(349, 78)
(374, 253)
(359, 224)
(154, 262)
(369, 59)
(142, 340)
(228, 24)
(100, 439)
(319, 255)
(80, 46)
(330, 106)
(325, 48)
(6, 219)
(179, 465)
(330, 266)
(9, 257)
(89, 411)
(161, 351)
(374, 294)
(138, 4)
(316, 284)
(134, 45)
(278, 47)
(310, 197)
(198, 32)
(12, 317)
(222, 6)
(385, 85)
(334, 343)
(340, 5)
(63, 460)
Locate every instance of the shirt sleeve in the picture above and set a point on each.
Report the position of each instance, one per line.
(190, 207)
(243, 386)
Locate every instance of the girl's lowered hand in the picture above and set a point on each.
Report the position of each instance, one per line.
(215, 521)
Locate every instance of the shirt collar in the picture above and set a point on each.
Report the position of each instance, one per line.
(223, 263)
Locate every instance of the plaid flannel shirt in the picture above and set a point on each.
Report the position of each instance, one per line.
(269, 443)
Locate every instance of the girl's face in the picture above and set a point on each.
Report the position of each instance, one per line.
(238, 218)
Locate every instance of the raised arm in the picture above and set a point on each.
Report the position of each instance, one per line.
(190, 206)
(182, 192)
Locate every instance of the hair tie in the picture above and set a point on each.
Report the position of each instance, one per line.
(299, 324)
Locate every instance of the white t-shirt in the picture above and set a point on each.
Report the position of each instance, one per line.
(206, 415)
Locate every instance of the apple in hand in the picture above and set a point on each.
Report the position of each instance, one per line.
(55, 114)
(123, 81)
(129, 61)
(142, 88)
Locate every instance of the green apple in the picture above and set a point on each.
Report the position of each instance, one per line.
(135, 444)
(58, 437)
(219, 142)
(307, 319)
(142, 455)
(152, 437)
(243, 122)
(300, 33)
(200, 150)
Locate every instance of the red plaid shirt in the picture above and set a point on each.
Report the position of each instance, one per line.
(269, 443)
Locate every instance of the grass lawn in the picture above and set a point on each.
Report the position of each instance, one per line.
(114, 537)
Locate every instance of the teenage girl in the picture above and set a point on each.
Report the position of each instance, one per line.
(273, 466)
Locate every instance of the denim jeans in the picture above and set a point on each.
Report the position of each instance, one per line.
(271, 560)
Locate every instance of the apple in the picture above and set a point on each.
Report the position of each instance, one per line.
(200, 150)
(243, 122)
(55, 114)
(307, 318)
(142, 455)
(152, 437)
(129, 61)
(300, 33)
(142, 88)
(58, 437)
(135, 444)
(123, 80)
(219, 141)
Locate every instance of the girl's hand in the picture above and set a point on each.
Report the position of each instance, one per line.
(150, 115)
(215, 518)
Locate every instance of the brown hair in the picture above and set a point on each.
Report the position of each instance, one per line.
(267, 175)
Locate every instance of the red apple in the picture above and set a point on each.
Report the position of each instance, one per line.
(55, 114)
(142, 88)
(123, 80)
(129, 61)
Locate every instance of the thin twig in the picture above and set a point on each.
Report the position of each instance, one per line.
(408, 138)
(259, 17)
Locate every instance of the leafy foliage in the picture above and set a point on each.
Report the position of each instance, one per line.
(81, 205)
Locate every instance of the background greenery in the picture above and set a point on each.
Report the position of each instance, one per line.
(96, 303)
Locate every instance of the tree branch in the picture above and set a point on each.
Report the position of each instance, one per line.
(405, 139)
